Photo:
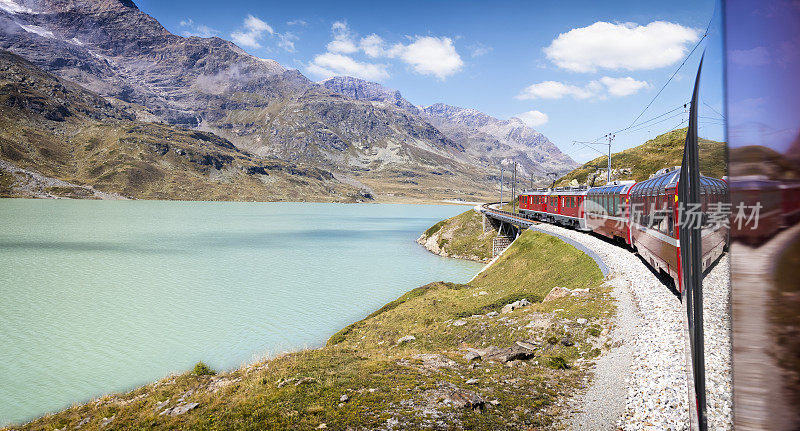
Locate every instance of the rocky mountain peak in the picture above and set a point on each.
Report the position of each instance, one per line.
(360, 89)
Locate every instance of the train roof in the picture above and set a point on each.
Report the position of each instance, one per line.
(620, 187)
(670, 178)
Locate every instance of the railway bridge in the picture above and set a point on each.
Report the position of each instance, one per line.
(508, 226)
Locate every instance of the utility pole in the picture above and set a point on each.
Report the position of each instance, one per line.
(514, 188)
(610, 138)
(501, 185)
(587, 145)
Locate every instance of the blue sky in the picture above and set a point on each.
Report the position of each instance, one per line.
(578, 69)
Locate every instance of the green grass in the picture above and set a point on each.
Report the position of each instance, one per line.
(661, 152)
(384, 380)
(201, 369)
(462, 236)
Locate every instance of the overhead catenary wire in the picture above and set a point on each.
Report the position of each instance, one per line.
(715, 111)
(705, 34)
(675, 73)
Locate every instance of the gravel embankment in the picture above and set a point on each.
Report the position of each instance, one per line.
(656, 374)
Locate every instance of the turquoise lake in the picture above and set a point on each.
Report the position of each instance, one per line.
(103, 296)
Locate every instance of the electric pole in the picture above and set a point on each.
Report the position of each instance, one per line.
(501, 185)
(514, 188)
(610, 138)
(587, 145)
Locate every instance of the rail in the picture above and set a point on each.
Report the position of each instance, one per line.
(518, 219)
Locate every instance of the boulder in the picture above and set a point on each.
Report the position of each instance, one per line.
(106, 421)
(406, 339)
(435, 361)
(557, 292)
(581, 321)
(492, 314)
(530, 345)
(459, 322)
(472, 355)
(451, 395)
(515, 352)
(508, 308)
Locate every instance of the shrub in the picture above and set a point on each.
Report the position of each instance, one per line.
(201, 369)
(558, 363)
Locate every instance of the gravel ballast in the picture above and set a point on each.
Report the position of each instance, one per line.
(655, 372)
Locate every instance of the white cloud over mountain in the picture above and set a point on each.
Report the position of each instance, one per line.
(333, 64)
(533, 118)
(195, 29)
(254, 29)
(426, 55)
(628, 46)
(597, 89)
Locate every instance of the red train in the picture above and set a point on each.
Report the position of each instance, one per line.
(641, 215)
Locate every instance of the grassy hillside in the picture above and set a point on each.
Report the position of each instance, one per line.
(364, 378)
(661, 152)
(760, 160)
(461, 237)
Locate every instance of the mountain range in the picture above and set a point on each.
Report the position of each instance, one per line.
(123, 70)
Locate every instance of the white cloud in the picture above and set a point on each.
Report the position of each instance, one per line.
(427, 55)
(253, 33)
(599, 89)
(620, 87)
(373, 46)
(342, 39)
(332, 64)
(299, 22)
(533, 118)
(286, 40)
(621, 46)
(479, 49)
(430, 55)
(554, 90)
(198, 30)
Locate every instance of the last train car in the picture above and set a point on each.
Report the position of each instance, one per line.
(654, 220)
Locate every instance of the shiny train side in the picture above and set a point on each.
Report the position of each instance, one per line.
(642, 215)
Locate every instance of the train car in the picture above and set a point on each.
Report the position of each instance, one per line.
(567, 207)
(606, 210)
(563, 205)
(790, 202)
(767, 195)
(533, 203)
(654, 220)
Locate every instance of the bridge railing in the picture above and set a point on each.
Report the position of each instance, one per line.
(487, 207)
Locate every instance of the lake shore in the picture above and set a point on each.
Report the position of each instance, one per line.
(441, 355)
